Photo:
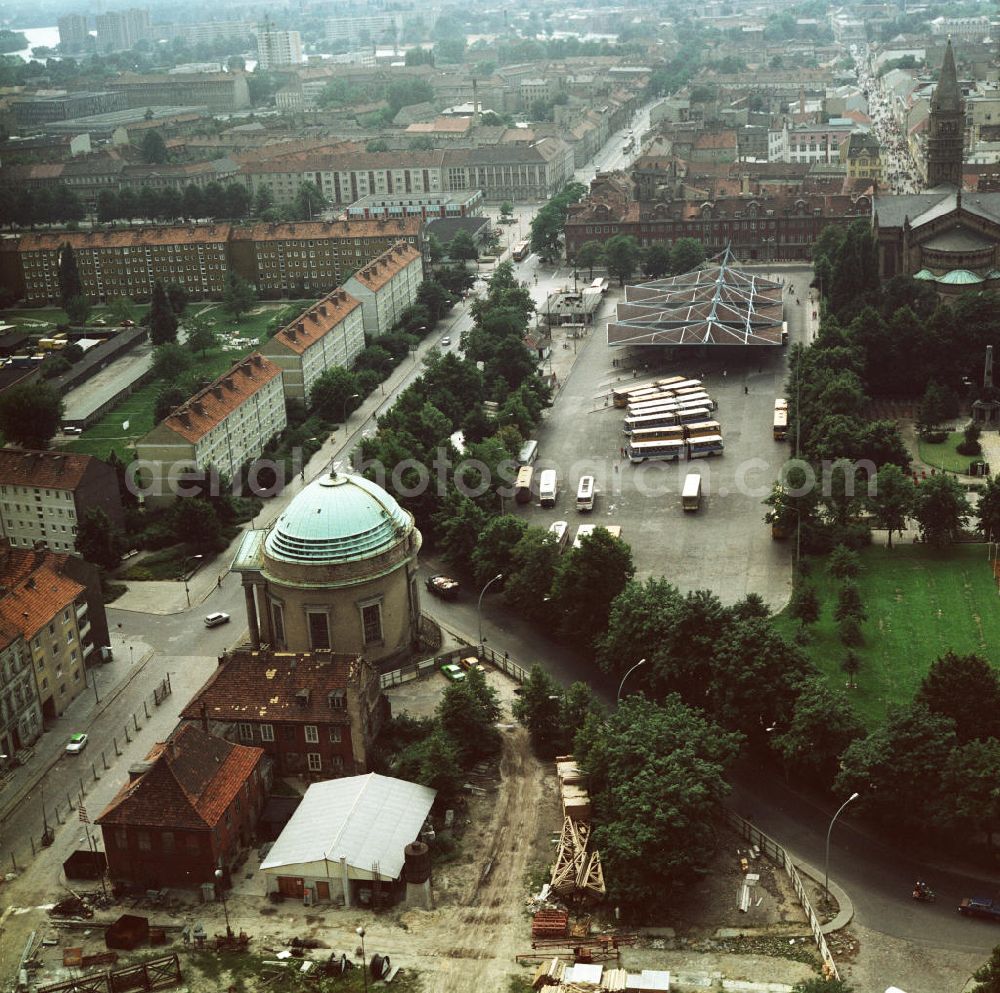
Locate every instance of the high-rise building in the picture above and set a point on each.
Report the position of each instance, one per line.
(73, 33)
(278, 48)
(119, 30)
(946, 128)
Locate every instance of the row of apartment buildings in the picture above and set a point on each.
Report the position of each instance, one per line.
(228, 425)
(279, 259)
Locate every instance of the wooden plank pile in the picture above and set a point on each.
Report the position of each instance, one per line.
(577, 871)
(550, 924)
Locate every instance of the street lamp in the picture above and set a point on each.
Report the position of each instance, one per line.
(479, 608)
(347, 400)
(826, 872)
(360, 932)
(222, 892)
(627, 674)
(187, 561)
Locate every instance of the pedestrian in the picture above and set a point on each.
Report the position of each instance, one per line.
(746, 390)
(621, 452)
(616, 467)
(635, 373)
(723, 373)
(219, 583)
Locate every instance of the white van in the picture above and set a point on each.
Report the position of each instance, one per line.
(691, 494)
(585, 494)
(561, 531)
(547, 488)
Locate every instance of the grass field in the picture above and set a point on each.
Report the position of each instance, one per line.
(944, 456)
(920, 604)
(43, 319)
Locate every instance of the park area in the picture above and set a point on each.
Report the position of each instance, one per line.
(945, 454)
(920, 603)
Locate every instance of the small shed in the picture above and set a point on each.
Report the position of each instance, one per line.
(128, 932)
(347, 837)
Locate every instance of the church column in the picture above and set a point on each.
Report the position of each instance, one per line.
(252, 616)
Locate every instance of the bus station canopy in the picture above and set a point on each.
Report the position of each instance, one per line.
(716, 305)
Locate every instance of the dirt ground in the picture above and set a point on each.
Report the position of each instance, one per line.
(480, 922)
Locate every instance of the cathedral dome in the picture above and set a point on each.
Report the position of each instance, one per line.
(337, 518)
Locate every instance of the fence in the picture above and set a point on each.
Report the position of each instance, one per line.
(427, 667)
(56, 810)
(776, 853)
(154, 974)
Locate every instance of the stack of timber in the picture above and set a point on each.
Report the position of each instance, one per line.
(577, 871)
(550, 924)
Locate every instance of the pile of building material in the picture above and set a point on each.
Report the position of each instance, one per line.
(550, 924)
(577, 871)
(559, 977)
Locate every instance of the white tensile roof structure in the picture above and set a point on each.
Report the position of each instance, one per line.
(365, 820)
(717, 305)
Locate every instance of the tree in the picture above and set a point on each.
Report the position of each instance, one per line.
(463, 247)
(309, 201)
(820, 984)
(849, 603)
(69, 275)
(468, 713)
(851, 665)
(530, 573)
(335, 394)
(933, 409)
(966, 689)
(892, 502)
(656, 261)
(162, 319)
(805, 605)
(98, 540)
(941, 509)
(193, 202)
(459, 524)
(30, 414)
(844, 563)
(77, 309)
(506, 210)
(987, 976)
(587, 581)
(492, 554)
(107, 206)
(656, 783)
(178, 297)
(154, 148)
(237, 200)
(970, 801)
(200, 336)
(622, 254)
(238, 297)
(686, 255)
(197, 521)
(168, 398)
(263, 200)
(538, 709)
(988, 509)
(588, 255)
(169, 361)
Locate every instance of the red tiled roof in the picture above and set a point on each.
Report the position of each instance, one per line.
(379, 271)
(58, 470)
(310, 326)
(197, 416)
(263, 686)
(125, 237)
(718, 139)
(35, 588)
(193, 780)
(293, 231)
(456, 125)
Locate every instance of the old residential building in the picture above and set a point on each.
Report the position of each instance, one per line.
(189, 809)
(20, 710)
(387, 286)
(862, 157)
(125, 262)
(314, 713)
(49, 608)
(43, 496)
(329, 334)
(219, 91)
(223, 427)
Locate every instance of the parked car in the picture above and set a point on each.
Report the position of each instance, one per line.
(76, 744)
(980, 906)
(453, 673)
(445, 342)
(214, 620)
(471, 662)
(443, 586)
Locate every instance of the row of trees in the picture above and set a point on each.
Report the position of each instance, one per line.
(623, 255)
(548, 223)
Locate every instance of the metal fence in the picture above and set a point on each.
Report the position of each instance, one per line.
(774, 851)
(428, 666)
(54, 809)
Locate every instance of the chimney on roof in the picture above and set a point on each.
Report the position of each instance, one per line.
(217, 392)
(291, 332)
(301, 326)
(199, 407)
(258, 359)
(204, 717)
(322, 309)
(227, 381)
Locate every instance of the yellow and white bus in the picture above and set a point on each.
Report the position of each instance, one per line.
(585, 494)
(780, 419)
(522, 485)
(669, 450)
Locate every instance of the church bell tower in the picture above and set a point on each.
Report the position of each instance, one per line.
(946, 128)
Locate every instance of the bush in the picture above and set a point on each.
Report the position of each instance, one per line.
(935, 437)
(969, 448)
(850, 632)
(821, 539)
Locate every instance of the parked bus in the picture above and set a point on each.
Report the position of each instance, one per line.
(672, 432)
(520, 251)
(528, 453)
(615, 530)
(670, 450)
(620, 394)
(581, 531)
(522, 486)
(668, 403)
(703, 445)
(666, 418)
(561, 531)
(600, 284)
(547, 488)
(691, 494)
(585, 494)
(780, 419)
(700, 428)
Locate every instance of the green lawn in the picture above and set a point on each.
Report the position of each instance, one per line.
(944, 456)
(920, 604)
(43, 319)
(107, 435)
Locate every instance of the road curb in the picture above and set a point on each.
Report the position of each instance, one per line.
(845, 913)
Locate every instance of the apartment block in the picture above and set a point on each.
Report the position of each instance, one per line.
(364, 29)
(20, 709)
(125, 262)
(387, 286)
(279, 48)
(329, 334)
(808, 142)
(41, 108)
(219, 91)
(73, 33)
(426, 205)
(224, 427)
(49, 609)
(119, 30)
(312, 256)
(43, 496)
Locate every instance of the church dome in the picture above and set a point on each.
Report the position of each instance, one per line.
(337, 518)
(960, 277)
(925, 274)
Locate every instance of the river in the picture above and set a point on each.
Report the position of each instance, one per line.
(48, 37)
